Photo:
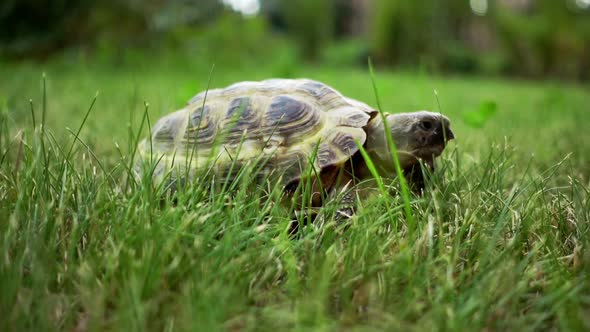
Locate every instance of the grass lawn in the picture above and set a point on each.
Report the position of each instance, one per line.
(499, 242)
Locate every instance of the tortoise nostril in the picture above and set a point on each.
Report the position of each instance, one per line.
(449, 134)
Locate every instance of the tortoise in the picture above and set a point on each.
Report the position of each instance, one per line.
(292, 125)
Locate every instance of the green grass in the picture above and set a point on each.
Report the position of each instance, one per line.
(500, 240)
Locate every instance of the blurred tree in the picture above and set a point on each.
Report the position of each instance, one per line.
(547, 37)
(416, 32)
(350, 18)
(532, 37)
(536, 38)
(41, 27)
(38, 25)
(309, 22)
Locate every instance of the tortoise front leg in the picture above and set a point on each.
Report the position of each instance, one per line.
(347, 206)
(317, 214)
(414, 175)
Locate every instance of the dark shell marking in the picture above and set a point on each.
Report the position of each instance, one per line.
(167, 128)
(240, 117)
(312, 87)
(326, 155)
(239, 107)
(323, 93)
(200, 128)
(345, 143)
(286, 115)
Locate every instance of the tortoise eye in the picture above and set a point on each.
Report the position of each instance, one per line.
(426, 124)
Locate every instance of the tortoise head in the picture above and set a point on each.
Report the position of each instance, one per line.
(417, 135)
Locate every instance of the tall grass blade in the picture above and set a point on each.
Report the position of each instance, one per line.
(393, 150)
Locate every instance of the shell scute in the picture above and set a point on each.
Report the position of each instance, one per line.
(167, 128)
(349, 117)
(325, 95)
(326, 155)
(281, 121)
(201, 127)
(314, 88)
(239, 107)
(286, 116)
(345, 141)
(241, 118)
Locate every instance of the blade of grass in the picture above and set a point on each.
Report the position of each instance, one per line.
(393, 150)
(100, 165)
(194, 146)
(371, 167)
(32, 113)
(68, 155)
(130, 166)
(43, 119)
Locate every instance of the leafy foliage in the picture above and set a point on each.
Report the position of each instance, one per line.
(551, 38)
(40, 28)
(479, 117)
(310, 23)
(409, 32)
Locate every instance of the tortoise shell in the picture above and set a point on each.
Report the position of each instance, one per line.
(287, 123)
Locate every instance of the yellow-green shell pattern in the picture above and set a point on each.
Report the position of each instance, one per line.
(285, 122)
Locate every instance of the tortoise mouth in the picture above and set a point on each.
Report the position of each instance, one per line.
(430, 151)
(435, 144)
(427, 152)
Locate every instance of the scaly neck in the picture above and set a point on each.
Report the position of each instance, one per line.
(379, 151)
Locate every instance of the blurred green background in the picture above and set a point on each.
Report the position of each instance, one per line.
(501, 242)
(524, 38)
